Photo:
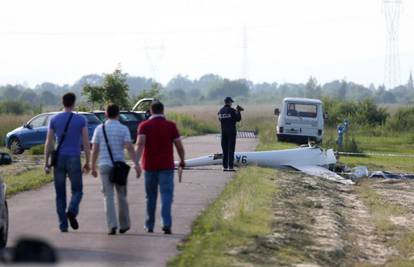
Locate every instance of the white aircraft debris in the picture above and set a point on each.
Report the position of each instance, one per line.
(310, 160)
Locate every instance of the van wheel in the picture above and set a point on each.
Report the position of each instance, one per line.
(4, 229)
(15, 146)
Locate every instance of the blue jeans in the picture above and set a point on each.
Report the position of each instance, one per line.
(165, 180)
(67, 166)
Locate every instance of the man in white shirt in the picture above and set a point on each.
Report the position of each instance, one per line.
(119, 138)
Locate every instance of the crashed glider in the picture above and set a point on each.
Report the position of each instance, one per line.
(310, 160)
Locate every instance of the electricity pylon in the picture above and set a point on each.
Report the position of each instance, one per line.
(392, 11)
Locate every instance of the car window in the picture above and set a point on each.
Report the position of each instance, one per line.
(91, 118)
(141, 116)
(38, 121)
(128, 117)
(49, 117)
(302, 110)
(100, 116)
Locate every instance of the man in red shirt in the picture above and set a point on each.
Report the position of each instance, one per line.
(156, 137)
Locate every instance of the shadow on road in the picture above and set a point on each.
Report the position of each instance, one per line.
(88, 256)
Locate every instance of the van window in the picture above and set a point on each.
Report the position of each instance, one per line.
(302, 110)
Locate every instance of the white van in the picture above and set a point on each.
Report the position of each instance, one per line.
(300, 120)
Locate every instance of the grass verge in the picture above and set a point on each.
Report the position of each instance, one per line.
(190, 125)
(26, 181)
(241, 212)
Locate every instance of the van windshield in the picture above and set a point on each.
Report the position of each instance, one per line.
(302, 110)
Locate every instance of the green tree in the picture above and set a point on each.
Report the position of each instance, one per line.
(229, 88)
(48, 98)
(367, 112)
(341, 94)
(116, 89)
(94, 94)
(113, 90)
(11, 93)
(154, 92)
(29, 96)
(312, 90)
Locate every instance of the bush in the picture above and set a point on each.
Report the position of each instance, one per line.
(364, 112)
(350, 143)
(403, 120)
(351, 146)
(18, 108)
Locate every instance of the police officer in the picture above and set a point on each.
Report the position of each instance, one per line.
(228, 118)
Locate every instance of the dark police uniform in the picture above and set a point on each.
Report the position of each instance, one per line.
(228, 118)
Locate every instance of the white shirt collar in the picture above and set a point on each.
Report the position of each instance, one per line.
(111, 121)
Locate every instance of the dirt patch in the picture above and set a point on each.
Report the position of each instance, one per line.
(399, 192)
(362, 231)
(321, 223)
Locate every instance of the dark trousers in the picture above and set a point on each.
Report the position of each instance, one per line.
(228, 144)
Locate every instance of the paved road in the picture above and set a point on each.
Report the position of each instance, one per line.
(33, 214)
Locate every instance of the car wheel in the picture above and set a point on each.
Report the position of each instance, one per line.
(15, 146)
(4, 229)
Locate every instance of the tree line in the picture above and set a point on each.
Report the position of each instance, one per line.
(97, 89)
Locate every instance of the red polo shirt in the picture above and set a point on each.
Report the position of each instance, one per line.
(160, 135)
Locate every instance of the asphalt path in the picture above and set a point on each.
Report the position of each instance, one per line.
(32, 214)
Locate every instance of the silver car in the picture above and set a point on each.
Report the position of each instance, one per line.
(4, 215)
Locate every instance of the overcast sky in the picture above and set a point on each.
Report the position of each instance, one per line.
(288, 41)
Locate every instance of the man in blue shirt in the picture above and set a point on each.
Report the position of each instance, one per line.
(68, 160)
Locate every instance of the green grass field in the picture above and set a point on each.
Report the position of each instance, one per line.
(240, 213)
(189, 125)
(26, 181)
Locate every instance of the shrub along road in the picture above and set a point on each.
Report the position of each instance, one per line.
(33, 214)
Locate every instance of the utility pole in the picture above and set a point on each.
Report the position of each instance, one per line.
(392, 11)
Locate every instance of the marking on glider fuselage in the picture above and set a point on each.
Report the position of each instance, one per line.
(241, 159)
